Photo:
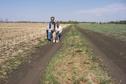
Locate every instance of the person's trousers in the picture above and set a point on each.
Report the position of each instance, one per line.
(58, 36)
(49, 36)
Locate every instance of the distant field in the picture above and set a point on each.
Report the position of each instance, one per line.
(117, 31)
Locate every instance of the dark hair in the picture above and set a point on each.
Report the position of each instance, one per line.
(52, 18)
(57, 23)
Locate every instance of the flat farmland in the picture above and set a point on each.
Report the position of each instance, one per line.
(117, 31)
(15, 40)
(18, 43)
(14, 34)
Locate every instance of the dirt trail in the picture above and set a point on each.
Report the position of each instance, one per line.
(112, 51)
(31, 73)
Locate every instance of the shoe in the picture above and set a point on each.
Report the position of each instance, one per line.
(53, 41)
(57, 41)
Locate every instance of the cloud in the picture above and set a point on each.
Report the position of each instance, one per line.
(112, 9)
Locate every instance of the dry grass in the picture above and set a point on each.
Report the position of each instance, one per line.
(22, 25)
(16, 40)
(16, 36)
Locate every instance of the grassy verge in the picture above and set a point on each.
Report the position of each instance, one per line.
(14, 62)
(118, 31)
(75, 64)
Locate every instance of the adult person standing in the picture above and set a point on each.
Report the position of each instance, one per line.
(51, 28)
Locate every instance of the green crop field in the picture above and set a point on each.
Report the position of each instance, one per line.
(117, 31)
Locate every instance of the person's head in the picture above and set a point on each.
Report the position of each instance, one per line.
(58, 23)
(52, 19)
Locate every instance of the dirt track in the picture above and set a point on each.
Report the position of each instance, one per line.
(31, 73)
(112, 51)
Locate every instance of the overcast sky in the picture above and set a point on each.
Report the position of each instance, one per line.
(81, 10)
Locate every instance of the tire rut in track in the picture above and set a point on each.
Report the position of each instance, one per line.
(113, 50)
(31, 73)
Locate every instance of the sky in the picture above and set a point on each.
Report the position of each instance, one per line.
(80, 10)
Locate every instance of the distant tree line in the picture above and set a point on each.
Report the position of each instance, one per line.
(69, 22)
(89, 22)
(65, 22)
(111, 22)
(118, 22)
(21, 22)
